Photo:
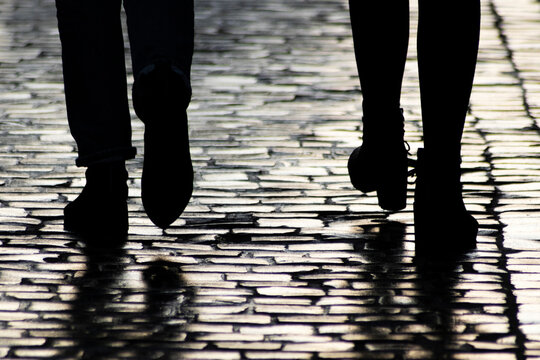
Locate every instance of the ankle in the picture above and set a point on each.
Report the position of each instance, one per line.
(107, 178)
(438, 182)
(385, 129)
(377, 109)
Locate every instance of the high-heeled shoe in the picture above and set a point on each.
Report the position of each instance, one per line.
(442, 224)
(381, 164)
(101, 208)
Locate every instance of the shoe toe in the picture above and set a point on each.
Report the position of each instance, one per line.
(167, 181)
(163, 201)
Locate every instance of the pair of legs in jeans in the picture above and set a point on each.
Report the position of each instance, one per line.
(161, 37)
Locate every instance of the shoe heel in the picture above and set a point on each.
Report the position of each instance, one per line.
(392, 191)
(419, 231)
(393, 195)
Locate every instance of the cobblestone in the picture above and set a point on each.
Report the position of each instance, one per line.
(277, 256)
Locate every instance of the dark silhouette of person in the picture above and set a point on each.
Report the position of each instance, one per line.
(161, 37)
(448, 37)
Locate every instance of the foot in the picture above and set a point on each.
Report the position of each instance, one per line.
(101, 208)
(160, 97)
(441, 221)
(380, 164)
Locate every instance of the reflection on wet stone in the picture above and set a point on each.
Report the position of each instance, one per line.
(276, 257)
(119, 312)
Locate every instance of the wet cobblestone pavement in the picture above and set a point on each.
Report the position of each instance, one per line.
(276, 257)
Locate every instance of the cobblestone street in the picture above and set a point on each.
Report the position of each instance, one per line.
(277, 256)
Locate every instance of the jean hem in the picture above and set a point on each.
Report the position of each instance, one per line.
(117, 154)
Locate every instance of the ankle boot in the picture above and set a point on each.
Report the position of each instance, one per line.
(101, 207)
(442, 224)
(380, 164)
(161, 95)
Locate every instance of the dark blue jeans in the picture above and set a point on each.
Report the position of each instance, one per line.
(95, 71)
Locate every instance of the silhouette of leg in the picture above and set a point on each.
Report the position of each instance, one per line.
(161, 36)
(381, 36)
(98, 113)
(95, 79)
(448, 37)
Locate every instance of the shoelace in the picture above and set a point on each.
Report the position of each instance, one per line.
(412, 163)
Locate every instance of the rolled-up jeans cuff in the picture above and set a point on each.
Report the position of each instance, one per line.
(118, 154)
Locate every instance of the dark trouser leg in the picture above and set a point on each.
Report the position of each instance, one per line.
(161, 37)
(161, 31)
(381, 37)
(95, 79)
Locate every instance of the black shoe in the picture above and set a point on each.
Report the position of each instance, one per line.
(380, 164)
(101, 208)
(161, 95)
(441, 221)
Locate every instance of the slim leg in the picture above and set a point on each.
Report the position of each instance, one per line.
(381, 37)
(448, 36)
